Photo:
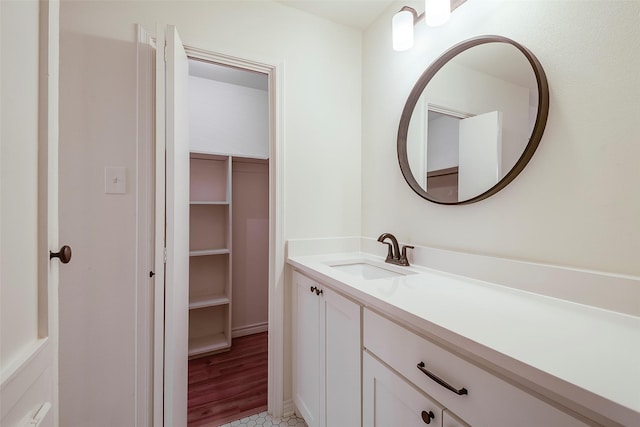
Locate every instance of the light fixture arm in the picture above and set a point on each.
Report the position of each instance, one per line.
(436, 13)
(416, 17)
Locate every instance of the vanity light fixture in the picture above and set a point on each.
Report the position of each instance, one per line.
(402, 28)
(436, 12)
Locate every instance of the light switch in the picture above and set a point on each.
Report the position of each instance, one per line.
(115, 180)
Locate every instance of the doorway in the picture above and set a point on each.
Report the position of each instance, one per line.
(229, 253)
(163, 120)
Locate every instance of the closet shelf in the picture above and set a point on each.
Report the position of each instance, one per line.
(208, 301)
(209, 202)
(205, 252)
(208, 343)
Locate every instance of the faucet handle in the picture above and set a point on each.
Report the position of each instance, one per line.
(403, 258)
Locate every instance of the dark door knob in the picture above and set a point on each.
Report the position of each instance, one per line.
(427, 416)
(64, 254)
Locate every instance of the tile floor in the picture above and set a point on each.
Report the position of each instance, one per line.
(264, 419)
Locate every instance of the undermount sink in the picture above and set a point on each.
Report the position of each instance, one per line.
(366, 271)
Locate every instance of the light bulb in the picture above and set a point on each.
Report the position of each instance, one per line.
(436, 12)
(402, 29)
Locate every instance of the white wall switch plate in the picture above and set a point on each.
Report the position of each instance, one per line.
(115, 180)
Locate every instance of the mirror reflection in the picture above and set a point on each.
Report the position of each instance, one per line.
(472, 122)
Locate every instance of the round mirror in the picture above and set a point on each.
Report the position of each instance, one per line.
(473, 120)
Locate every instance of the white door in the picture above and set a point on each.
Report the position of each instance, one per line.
(28, 218)
(480, 154)
(172, 134)
(307, 368)
(388, 400)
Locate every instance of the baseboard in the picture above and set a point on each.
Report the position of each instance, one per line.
(289, 408)
(256, 328)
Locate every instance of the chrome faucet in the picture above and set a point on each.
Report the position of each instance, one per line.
(393, 255)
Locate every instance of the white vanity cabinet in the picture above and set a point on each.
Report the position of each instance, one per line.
(473, 394)
(327, 355)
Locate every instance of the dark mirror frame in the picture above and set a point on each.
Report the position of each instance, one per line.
(423, 81)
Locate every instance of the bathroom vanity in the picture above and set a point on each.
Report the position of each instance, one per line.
(382, 345)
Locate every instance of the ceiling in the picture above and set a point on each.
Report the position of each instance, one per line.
(357, 14)
(353, 13)
(500, 60)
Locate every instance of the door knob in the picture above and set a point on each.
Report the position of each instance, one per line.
(64, 254)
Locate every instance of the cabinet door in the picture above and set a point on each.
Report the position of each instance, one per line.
(307, 349)
(342, 345)
(390, 401)
(450, 420)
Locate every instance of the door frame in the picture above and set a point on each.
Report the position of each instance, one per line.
(151, 304)
(275, 394)
(145, 230)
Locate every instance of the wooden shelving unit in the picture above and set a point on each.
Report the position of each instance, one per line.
(210, 295)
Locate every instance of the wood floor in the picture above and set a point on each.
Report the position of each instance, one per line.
(227, 386)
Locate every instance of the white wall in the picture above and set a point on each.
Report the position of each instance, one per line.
(250, 250)
(443, 147)
(321, 131)
(577, 203)
(228, 119)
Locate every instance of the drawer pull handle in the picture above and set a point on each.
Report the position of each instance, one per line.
(443, 383)
(427, 416)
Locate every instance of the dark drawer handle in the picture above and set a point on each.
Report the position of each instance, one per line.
(318, 291)
(443, 383)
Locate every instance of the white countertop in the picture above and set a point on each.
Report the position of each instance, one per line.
(582, 356)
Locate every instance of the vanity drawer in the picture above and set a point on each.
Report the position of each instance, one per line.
(484, 399)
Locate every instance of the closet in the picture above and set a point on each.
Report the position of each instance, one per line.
(229, 206)
(210, 246)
